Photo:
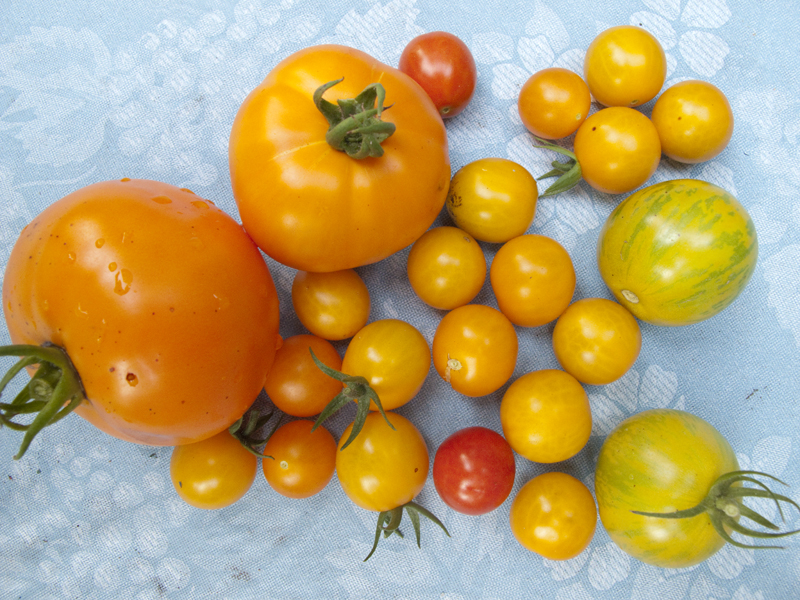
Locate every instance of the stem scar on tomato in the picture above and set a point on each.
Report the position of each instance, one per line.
(356, 388)
(389, 523)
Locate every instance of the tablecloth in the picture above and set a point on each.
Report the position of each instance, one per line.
(94, 91)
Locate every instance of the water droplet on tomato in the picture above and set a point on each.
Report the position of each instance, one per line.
(187, 190)
(125, 179)
(122, 282)
(162, 200)
(199, 204)
(99, 242)
(112, 266)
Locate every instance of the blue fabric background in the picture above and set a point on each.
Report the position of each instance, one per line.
(92, 91)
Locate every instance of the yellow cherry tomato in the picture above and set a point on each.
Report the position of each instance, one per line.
(625, 66)
(533, 279)
(546, 416)
(475, 349)
(553, 103)
(694, 121)
(383, 468)
(618, 150)
(302, 461)
(213, 473)
(554, 515)
(597, 340)
(493, 199)
(332, 305)
(446, 267)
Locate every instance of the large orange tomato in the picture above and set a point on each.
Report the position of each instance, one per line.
(161, 301)
(314, 207)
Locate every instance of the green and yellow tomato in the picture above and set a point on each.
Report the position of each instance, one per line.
(677, 252)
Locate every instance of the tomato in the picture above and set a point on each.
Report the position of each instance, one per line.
(677, 252)
(546, 416)
(475, 349)
(473, 470)
(295, 384)
(596, 340)
(694, 121)
(212, 473)
(533, 280)
(446, 267)
(443, 65)
(625, 66)
(313, 207)
(153, 293)
(493, 199)
(334, 305)
(618, 150)
(553, 103)
(302, 461)
(554, 515)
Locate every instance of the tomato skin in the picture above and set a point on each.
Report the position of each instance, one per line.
(618, 150)
(153, 292)
(677, 252)
(625, 66)
(302, 463)
(596, 340)
(295, 384)
(493, 199)
(383, 468)
(553, 103)
(694, 121)
(661, 460)
(473, 470)
(443, 66)
(475, 349)
(212, 473)
(446, 267)
(393, 357)
(546, 416)
(333, 305)
(314, 208)
(533, 279)
(554, 515)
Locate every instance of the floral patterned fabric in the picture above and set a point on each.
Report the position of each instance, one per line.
(94, 91)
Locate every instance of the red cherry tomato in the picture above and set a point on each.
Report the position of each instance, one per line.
(473, 470)
(443, 66)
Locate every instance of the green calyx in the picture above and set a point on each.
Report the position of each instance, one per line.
(356, 388)
(568, 172)
(724, 506)
(54, 391)
(355, 123)
(389, 523)
(246, 427)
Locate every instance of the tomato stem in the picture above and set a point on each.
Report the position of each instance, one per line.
(355, 123)
(569, 172)
(54, 391)
(389, 523)
(245, 429)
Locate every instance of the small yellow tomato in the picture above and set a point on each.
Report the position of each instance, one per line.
(446, 267)
(212, 473)
(546, 416)
(493, 199)
(553, 103)
(694, 121)
(533, 279)
(554, 515)
(597, 340)
(333, 306)
(303, 461)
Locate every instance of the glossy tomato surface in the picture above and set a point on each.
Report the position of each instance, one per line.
(315, 208)
(694, 121)
(661, 460)
(475, 349)
(383, 468)
(618, 150)
(473, 470)
(677, 252)
(553, 103)
(333, 305)
(554, 515)
(443, 65)
(163, 303)
(212, 473)
(625, 66)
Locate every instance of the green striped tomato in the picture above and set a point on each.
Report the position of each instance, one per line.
(677, 252)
